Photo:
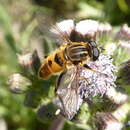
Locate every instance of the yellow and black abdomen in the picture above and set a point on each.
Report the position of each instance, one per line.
(54, 63)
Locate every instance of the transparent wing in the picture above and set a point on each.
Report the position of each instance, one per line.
(58, 32)
(62, 31)
(67, 92)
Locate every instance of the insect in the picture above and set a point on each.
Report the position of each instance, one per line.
(70, 59)
(71, 88)
(69, 53)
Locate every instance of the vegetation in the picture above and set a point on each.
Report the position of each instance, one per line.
(24, 27)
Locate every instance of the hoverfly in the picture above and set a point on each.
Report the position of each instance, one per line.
(69, 59)
(74, 50)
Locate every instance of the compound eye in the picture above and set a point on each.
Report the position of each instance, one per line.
(95, 54)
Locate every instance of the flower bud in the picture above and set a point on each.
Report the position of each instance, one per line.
(124, 73)
(83, 114)
(18, 83)
(104, 30)
(124, 32)
(104, 27)
(106, 121)
(47, 112)
(125, 45)
(30, 63)
(32, 98)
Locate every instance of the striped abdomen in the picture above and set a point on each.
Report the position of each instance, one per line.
(54, 63)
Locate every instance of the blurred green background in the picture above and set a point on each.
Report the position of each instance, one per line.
(24, 25)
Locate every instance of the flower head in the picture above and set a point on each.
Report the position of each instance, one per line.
(88, 28)
(82, 31)
(124, 32)
(125, 45)
(99, 78)
(18, 83)
(29, 62)
(124, 73)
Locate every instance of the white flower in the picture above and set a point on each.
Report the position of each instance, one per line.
(87, 27)
(82, 31)
(99, 80)
(104, 27)
(18, 83)
(124, 32)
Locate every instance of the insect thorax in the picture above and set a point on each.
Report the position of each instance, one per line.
(78, 52)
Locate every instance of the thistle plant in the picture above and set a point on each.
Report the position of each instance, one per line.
(99, 102)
